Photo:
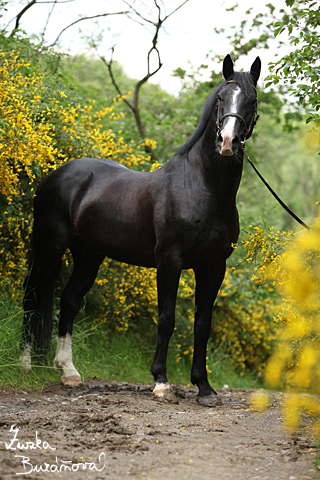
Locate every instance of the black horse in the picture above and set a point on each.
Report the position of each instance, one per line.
(181, 216)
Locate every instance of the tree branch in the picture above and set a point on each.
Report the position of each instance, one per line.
(174, 11)
(134, 107)
(80, 20)
(56, 1)
(48, 18)
(137, 13)
(116, 86)
(144, 80)
(18, 17)
(158, 7)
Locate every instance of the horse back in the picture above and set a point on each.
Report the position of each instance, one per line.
(109, 206)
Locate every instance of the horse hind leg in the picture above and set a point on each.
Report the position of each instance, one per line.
(50, 238)
(38, 304)
(85, 269)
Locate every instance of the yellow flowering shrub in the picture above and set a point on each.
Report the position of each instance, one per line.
(243, 320)
(42, 126)
(26, 149)
(295, 364)
(129, 293)
(262, 247)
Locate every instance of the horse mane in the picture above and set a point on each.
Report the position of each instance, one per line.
(244, 80)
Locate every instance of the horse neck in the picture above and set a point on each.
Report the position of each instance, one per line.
(221, 175)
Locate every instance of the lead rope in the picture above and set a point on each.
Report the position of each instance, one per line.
(273, 192)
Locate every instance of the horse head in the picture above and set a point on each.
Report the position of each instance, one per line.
(236, 107)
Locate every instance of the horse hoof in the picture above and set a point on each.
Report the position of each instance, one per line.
(164, 393)
(71, 381)
(212, 400)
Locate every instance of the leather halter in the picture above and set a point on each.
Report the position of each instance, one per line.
(253, 122)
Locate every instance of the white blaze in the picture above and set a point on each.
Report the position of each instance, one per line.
(230, 123)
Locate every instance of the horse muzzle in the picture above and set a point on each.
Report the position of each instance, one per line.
(228, 144)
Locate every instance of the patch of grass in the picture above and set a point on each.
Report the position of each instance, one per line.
(11, 373)
(125, 356)
(110, 355)
(220, 372)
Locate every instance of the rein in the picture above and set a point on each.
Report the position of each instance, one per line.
(273, 192)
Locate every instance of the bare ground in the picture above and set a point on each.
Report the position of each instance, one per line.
(138, 437)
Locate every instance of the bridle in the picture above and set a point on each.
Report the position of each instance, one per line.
(253, 121)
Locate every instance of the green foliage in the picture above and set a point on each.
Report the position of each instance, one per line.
(251, 33)
(3, 6)
(92, 79)
(299, 69)
(288, 161)
(37, 57)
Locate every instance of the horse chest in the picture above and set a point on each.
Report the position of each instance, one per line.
(211, 235)
(199, 236)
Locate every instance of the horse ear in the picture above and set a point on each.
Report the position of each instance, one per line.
(255, 69)
(227, 69)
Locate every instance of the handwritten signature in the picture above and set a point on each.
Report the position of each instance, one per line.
(56, 467)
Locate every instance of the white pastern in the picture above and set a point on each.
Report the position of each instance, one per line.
(63, 361)
(161, 388)
(164, 392)
(25, 359)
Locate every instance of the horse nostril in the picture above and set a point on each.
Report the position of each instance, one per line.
(219, 139)
(235, 142)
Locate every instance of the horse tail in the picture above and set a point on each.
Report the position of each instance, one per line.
(39, 288)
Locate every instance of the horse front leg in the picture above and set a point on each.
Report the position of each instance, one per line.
(168, 274)
(208, 282)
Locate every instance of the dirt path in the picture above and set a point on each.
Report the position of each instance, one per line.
(137, 437)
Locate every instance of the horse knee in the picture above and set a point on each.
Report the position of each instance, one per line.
(166, 325)
(202, 327)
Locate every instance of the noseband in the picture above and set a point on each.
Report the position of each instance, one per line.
(253, 122)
